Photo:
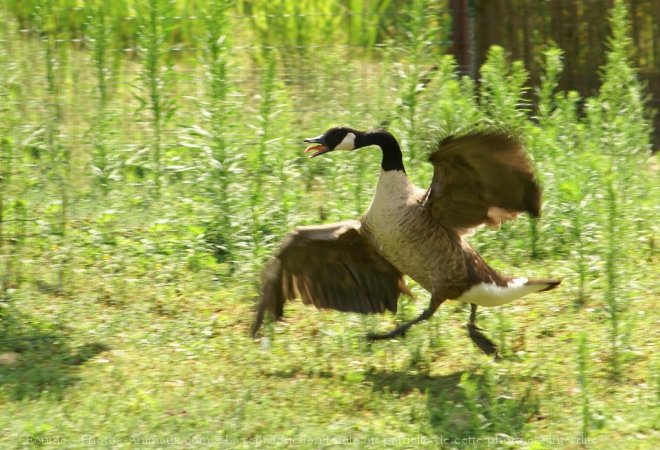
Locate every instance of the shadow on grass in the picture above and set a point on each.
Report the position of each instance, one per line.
(38, 359)
(463, 405)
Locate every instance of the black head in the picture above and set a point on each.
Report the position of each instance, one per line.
(337, 138)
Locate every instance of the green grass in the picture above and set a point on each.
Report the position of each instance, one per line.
(281, 23)
(188, 369)
(144, 341)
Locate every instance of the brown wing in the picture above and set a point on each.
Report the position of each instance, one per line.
(483, 177)
(330, 266)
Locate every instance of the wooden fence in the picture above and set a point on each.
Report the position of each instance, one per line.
(579, 27)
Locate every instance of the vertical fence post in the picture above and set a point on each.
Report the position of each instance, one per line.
(462, 36)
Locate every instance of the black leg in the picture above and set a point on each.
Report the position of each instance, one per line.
(401, 330)
(480, 339)
(473, 314)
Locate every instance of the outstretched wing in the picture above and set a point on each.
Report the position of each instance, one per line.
(482, 177)
(330, 266)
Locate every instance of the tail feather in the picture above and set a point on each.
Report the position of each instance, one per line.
(496, 294)
(549, 284)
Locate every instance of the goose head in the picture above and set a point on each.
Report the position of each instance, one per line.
(337, 138)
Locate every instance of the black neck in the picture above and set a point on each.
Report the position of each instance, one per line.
(392, 158)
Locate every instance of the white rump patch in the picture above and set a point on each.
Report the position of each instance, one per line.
(348, 143)
(490, 294)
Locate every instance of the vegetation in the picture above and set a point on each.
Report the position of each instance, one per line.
(150, 166)
(277, 23)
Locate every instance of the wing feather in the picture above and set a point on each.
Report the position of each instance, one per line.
(330, 266)
(482, 177)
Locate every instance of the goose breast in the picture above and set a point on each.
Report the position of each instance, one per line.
(408, 237)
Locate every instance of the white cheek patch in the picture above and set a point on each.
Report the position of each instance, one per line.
(348, 143)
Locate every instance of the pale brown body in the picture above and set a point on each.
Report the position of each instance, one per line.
(399, 227)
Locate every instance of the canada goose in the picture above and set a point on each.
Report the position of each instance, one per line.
(358, 265)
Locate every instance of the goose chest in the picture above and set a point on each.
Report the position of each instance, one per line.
(399, 228)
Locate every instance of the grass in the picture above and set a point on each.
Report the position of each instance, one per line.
(191, 371)
(155, 77)
(279, 23)
(146, 342)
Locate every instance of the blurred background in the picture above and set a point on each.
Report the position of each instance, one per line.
(152, 161)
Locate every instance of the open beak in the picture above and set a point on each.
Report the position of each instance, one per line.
(317, 149)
